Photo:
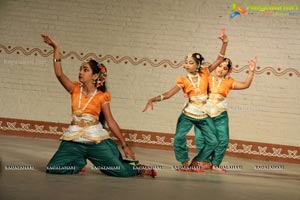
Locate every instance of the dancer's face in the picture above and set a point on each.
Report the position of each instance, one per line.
(85, 73)
(222, 70)
(190, 65)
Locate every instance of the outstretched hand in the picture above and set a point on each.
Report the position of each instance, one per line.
(149, 104)
(223, 36)
(49, 41)
(252, 64)
(129, 153)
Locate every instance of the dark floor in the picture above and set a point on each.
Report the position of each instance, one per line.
(247, 179)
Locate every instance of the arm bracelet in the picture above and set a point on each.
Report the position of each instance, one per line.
(56, 60)
(161, 97)
(124, 146)
(221, 55)
(251, 73)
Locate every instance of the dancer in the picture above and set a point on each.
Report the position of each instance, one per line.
(216, 108)
(86, 138)
(194, 85)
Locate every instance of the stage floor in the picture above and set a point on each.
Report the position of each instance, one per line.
(23, 162)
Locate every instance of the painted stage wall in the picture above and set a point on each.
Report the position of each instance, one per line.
(143, 44)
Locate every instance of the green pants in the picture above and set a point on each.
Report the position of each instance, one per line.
(221, 124)
(207, 129)
(71, 157)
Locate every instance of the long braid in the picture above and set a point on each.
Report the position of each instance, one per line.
(100, 83)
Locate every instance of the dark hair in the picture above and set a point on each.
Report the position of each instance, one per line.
(198, 58)
(228, 61)
(96, 69)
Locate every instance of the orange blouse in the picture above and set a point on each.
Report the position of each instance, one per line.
(94, 107)
(185, 84)
(226, 85)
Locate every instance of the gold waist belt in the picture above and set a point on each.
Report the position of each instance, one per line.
(216, 97)
(193, 115)
(194, 110)
(197, 103)
(83, 123)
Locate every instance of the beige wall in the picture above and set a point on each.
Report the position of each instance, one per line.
(131, 35)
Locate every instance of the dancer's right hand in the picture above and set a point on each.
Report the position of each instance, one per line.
(149, 104)
(223, 36)
(252, 64)
(129, 153)
(49, 41)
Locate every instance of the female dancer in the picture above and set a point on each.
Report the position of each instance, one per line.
(194, 85)
(216, 107)
(85, 138)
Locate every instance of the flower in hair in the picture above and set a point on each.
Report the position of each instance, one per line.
(199, 68)
(102, 75)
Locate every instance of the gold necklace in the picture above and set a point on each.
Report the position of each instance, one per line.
(215, 89)
(193, 75)
(79, 111)
(196, 89)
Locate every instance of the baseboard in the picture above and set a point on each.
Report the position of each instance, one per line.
(155, 140)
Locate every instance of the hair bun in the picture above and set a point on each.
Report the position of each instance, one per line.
(199, 57)
(228, 62)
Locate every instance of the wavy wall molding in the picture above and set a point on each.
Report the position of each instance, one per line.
(18, 50)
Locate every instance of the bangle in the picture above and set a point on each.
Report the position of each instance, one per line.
(225, 41)
(56, 60)
(161, 97)
(221, 55)
(124, 146)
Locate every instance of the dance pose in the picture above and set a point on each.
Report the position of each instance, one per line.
(194, 85)
(86, 138)
(216, 108)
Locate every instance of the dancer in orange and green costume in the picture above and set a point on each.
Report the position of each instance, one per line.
(86, 138)
(194, 85)
(216, 108)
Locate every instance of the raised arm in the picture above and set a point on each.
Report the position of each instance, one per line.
(221, 55)
(248, 81)
(63, 79)
(114, 127)
(161, 97)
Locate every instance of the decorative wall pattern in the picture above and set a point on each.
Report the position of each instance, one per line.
(237, 148)
(136, 61)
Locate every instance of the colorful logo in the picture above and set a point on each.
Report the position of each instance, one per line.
(236, 10)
